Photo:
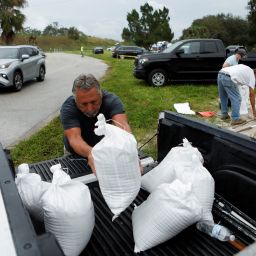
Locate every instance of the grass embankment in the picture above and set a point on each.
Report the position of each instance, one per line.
(63, 43)
(142, 102)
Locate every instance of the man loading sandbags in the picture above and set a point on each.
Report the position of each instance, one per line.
(79, 115)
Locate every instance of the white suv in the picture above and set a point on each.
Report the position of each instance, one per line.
(19, 64)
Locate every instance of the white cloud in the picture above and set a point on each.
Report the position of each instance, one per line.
(108, 18)
(156, 5)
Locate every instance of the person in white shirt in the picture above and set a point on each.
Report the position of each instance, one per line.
(229, 80)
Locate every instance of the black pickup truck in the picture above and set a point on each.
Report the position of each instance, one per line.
(230, 158)
(186, 60)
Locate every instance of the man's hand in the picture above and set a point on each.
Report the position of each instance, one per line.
(91, 162)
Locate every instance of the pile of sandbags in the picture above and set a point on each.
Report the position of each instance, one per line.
(184, 164)
(64, 205)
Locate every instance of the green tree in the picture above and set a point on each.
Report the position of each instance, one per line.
(31, 31)
(11, 18)
(152, 26)
(54, 30)
(232, 30)
(73, 33)
(51, 29)
(252, 21)
(195, 32)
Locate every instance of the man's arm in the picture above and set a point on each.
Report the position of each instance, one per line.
(121, 121)
(252, 100)
(79, 145)
(226, 64)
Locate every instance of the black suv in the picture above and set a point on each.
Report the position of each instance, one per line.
(186, 60)
(125, 50)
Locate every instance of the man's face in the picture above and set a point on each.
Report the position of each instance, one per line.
(238, 56)
(88, 101)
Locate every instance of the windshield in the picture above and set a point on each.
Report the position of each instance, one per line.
(172, 47)
(8, 53)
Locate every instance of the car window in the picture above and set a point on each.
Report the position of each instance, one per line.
(24, 50)
(210, 47)
(8, 53)
(34, 52)
(30, 51)
(172, 47)
(191, 48)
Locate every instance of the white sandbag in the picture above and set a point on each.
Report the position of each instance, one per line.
(244, 92)
(68, 213)
(184, 152)
(59, 176)
(23, 169)
(164, 172)
(168, 210)
(202, 184)
(117, 166)
(31, 188)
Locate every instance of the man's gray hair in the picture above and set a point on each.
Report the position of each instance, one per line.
(85, 82)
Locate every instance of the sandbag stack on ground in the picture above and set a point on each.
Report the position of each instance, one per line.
(117, 166)
(169, 209)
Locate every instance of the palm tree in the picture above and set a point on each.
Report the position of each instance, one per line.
(11, 19)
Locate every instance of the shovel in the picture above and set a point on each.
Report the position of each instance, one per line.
(246, 128)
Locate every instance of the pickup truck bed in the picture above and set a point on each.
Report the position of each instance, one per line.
(230, 158)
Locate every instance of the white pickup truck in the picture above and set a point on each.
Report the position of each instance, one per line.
(230, 158)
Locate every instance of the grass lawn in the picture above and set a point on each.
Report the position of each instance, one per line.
(142, 102)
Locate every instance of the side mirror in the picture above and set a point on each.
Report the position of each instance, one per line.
(24, 57)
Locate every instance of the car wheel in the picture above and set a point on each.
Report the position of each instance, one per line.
(17, 81)
(41, 74)
(157, 77)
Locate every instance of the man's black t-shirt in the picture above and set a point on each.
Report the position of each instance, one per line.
(72, 117)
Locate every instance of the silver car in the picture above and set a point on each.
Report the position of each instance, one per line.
(19, 64)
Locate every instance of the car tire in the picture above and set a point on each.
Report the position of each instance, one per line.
(17, 81)
(157, 77)
(41, 76)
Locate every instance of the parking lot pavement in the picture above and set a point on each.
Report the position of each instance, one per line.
(24, 112)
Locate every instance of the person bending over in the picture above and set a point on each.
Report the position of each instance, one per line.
(229, 80)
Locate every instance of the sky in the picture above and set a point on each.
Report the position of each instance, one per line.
(107, 18)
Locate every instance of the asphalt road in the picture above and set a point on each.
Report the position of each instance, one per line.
(24, 112)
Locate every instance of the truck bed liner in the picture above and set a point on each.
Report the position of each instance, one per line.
(116, 238)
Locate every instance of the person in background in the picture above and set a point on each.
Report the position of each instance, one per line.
(82, 51)
(240, 53)
(229, 80)
(232, 60)
(79, 115)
